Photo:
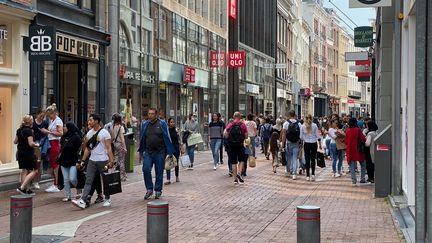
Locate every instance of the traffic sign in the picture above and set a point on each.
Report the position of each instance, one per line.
(356, 56)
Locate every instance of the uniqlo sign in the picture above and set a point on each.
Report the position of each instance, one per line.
(217, 59)
(232, 6)
(363, 76)
(236, 59)
(189, 75)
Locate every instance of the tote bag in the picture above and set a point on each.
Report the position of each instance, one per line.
(194, 139)
(185, 160)
(112, 182)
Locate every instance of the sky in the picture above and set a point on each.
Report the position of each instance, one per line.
(360, 16)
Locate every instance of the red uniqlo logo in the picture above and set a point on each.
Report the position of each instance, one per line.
(217, 59)
(236, 59)
(189, 76)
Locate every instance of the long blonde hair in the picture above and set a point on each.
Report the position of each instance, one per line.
(26, 121)
(308, 124)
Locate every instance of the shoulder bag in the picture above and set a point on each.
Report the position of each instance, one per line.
(360, 144)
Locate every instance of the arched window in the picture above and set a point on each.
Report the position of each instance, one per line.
(124, 46)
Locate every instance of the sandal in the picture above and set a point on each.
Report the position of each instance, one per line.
(66, 199)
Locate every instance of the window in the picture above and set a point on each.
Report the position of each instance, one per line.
(124, 54)
(162, 25)
(5, 46)
(75, 2)
(87, 4)
(316, 26)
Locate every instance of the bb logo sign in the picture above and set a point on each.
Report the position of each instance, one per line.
(41, 43)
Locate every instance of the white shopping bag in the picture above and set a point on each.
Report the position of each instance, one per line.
(185, 160)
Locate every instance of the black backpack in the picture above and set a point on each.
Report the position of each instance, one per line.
(236, 135)
(293, 132)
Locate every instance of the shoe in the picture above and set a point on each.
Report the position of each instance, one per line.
(36, 186)
(244, 174)
(221, 162)
(78, 196)
(30, 192)
(300, 172)
(307, 178)
(79, 203)
(52, 188)
(22, 192)
(214, 167)
(107, 202)
(267, 157)
(148, 195)
(230, 174)
(353, 184)
(362, 183)
(167, 183)
(274, 169)
(99, 199)
(313, 178)
(370, 181)
(66, 199)
(240, 179)
(177, 179)
(294, 177)
(236, 182)
(158, 195)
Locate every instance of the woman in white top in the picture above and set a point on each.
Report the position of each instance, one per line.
(54, 132)
(252, 130)
(333, 149)
(311, 138)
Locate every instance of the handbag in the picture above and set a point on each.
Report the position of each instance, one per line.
(170, 162)
(252, 162)
(320, 160)
(360, 144)
(194, 139)
(112, 182)
(300, 153)
(185, 160)
(113, 143)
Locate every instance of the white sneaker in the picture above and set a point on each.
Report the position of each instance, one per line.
(52, 188)
(313, 178)
(307, 178)
(338, 175)
(294, 177)
(214, 167)
(107, 202)
(79, 203)
(36, 186)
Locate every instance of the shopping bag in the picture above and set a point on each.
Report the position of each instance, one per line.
(320, 160)
(185, 160)
(170, 162)
(194, 139)
(252, 162)
(112, 182)
(300, 153)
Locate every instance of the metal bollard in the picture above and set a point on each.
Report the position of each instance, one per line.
(21, 212)
(157, 222)
(308, 224)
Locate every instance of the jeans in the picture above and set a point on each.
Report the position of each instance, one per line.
(336, 155)
(92, 168)
(158, 160)
(221, 150)
(69, 177)
(291, 151)
(266, 147)
(310, 150)
(176, 169)
(252, 139)
(353, 166)
(215, 144)
(191, 153)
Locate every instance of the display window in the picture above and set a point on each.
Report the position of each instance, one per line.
(6, 125)
(5, 46)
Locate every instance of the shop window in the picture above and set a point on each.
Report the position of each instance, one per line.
(5, 46)
(48, 96)
(6, 125)
(91, 87)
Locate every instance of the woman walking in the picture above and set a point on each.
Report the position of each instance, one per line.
(70, 144)
(40, 123)
(310, 135)
(274, 149)
(190, 127)
(176, 143)
(216, 129)
(334, 153)
(117, 137)
(354, 135)
(25, 155)
(278, 127)
(252, 129)
(372, 129)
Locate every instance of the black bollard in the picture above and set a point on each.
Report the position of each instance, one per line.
(21, 212)
(157, 222)
(308, 224)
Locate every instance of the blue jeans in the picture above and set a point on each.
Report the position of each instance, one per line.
(215, 144)
(69, 177)
(291, 151)
(336, 155)
(191, 153)
(158, 160)
(252, 139)
(353, 166)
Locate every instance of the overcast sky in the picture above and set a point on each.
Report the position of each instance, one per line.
(360, 16)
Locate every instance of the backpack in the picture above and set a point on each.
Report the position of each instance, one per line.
(266, 133)
(236, 135)
(293, 132)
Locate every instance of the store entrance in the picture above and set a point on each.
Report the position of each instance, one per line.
(71, 87)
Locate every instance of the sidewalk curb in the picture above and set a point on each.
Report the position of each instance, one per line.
(399, 219)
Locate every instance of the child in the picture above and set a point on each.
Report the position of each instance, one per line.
(274, 149)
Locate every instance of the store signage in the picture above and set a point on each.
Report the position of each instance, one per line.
(77, 47)
(189, 74)
(3, 34)
(232, 8)
(369, 3)
(350, 102)
(281, 93)
(360, 68)
(356, 56)
(383, 147)
(41, 43)
(363, 76)
(122, 71)
(252, 89)
(147, 77)
(236, 59)
(217, 59)
(306, 92)
(363, 36)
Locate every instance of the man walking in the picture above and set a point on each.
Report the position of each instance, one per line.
(155, 144)
(236, 134)
(266, 131)
(101, 156)
(290, 141)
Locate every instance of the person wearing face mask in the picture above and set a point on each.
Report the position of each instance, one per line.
(190, 126)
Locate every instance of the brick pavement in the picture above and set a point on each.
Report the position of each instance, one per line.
(206, 207)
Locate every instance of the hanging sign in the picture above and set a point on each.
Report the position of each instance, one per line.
(189, 75)
(369, 3)
(41, 43)
(363, 36)
(217, 59)
(236, 59)
(232, 8)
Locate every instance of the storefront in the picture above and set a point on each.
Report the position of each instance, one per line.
(320, 105)
(248, 98)
(14, 85)
(282, 107)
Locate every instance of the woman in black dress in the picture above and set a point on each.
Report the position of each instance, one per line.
(25, 155)
(175, 141)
